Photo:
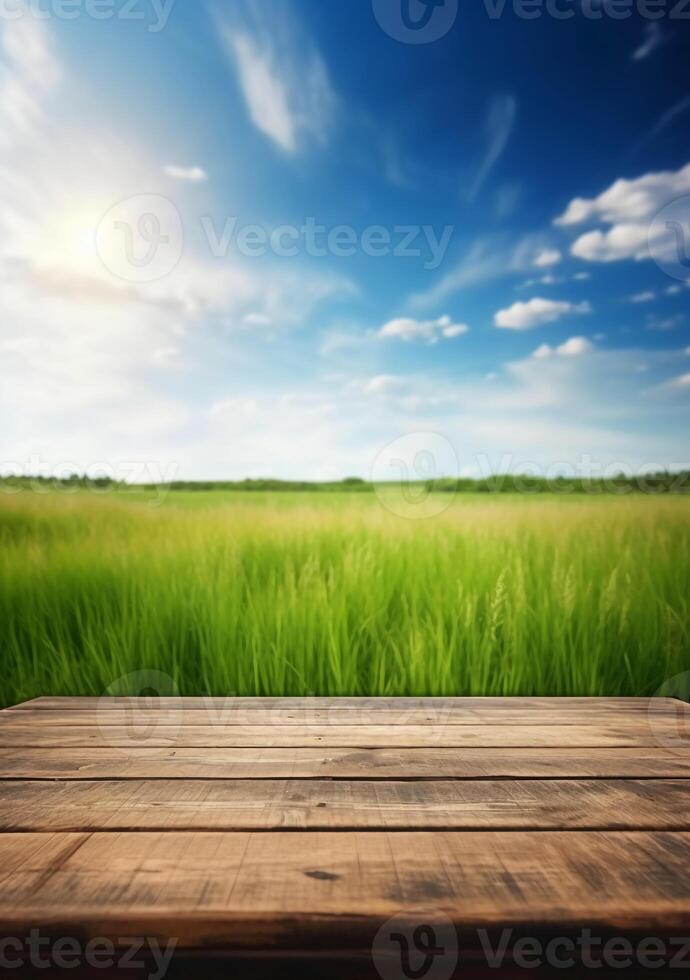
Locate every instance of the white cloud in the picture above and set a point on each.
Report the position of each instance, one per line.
(288, 434)
(256, 320)
(543, 351)
(382, 384)
(581, 276)
(89, 360)
(87, 357)
(29, 73)
(574, 347)
(682, 382)
(26, 44)
(561, 408)
(409, 329)
(547, 257)
(454, 330)
(645, 297)
(535, 312)
(166, 356)
(283, 79)
(265, 93)
(673, 290)
(346, 341)
(620, 242)
(628, 200)
(194, 175)
(628, 207)
(547, 280)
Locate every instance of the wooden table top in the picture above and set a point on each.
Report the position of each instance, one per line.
(329, 831)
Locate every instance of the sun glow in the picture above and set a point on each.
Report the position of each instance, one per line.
(68, 242)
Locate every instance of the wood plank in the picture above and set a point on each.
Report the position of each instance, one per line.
(322, 805)
(353, 711)
(290, 833)
(372, 736)
(336, 716)
(325, 890)
(309, 763)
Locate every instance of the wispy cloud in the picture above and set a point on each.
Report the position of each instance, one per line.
(195, 175)
(664, 121)
(282, 77)
(547, 257)
(488, 258)
(87, 355)
(382, 384)
(499, 125)
(682, 382)
(654, 37)
(29, 72)
(662, 324)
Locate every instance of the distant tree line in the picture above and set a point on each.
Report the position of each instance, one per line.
(651, 483)
(74, 481)
(654, 483)
(351, 483)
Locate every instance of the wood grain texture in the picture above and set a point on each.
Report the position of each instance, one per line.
(322, 711)
(314, 889)
(293, 804)
(339, 717)
(148, 732)
(373, 764)
(286, 826)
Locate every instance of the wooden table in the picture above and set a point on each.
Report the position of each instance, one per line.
(323, 837)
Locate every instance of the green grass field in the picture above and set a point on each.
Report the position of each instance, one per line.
(297, 594)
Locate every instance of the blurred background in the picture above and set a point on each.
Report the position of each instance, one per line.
(265, 239)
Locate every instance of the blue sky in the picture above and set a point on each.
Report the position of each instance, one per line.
(537, 169)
